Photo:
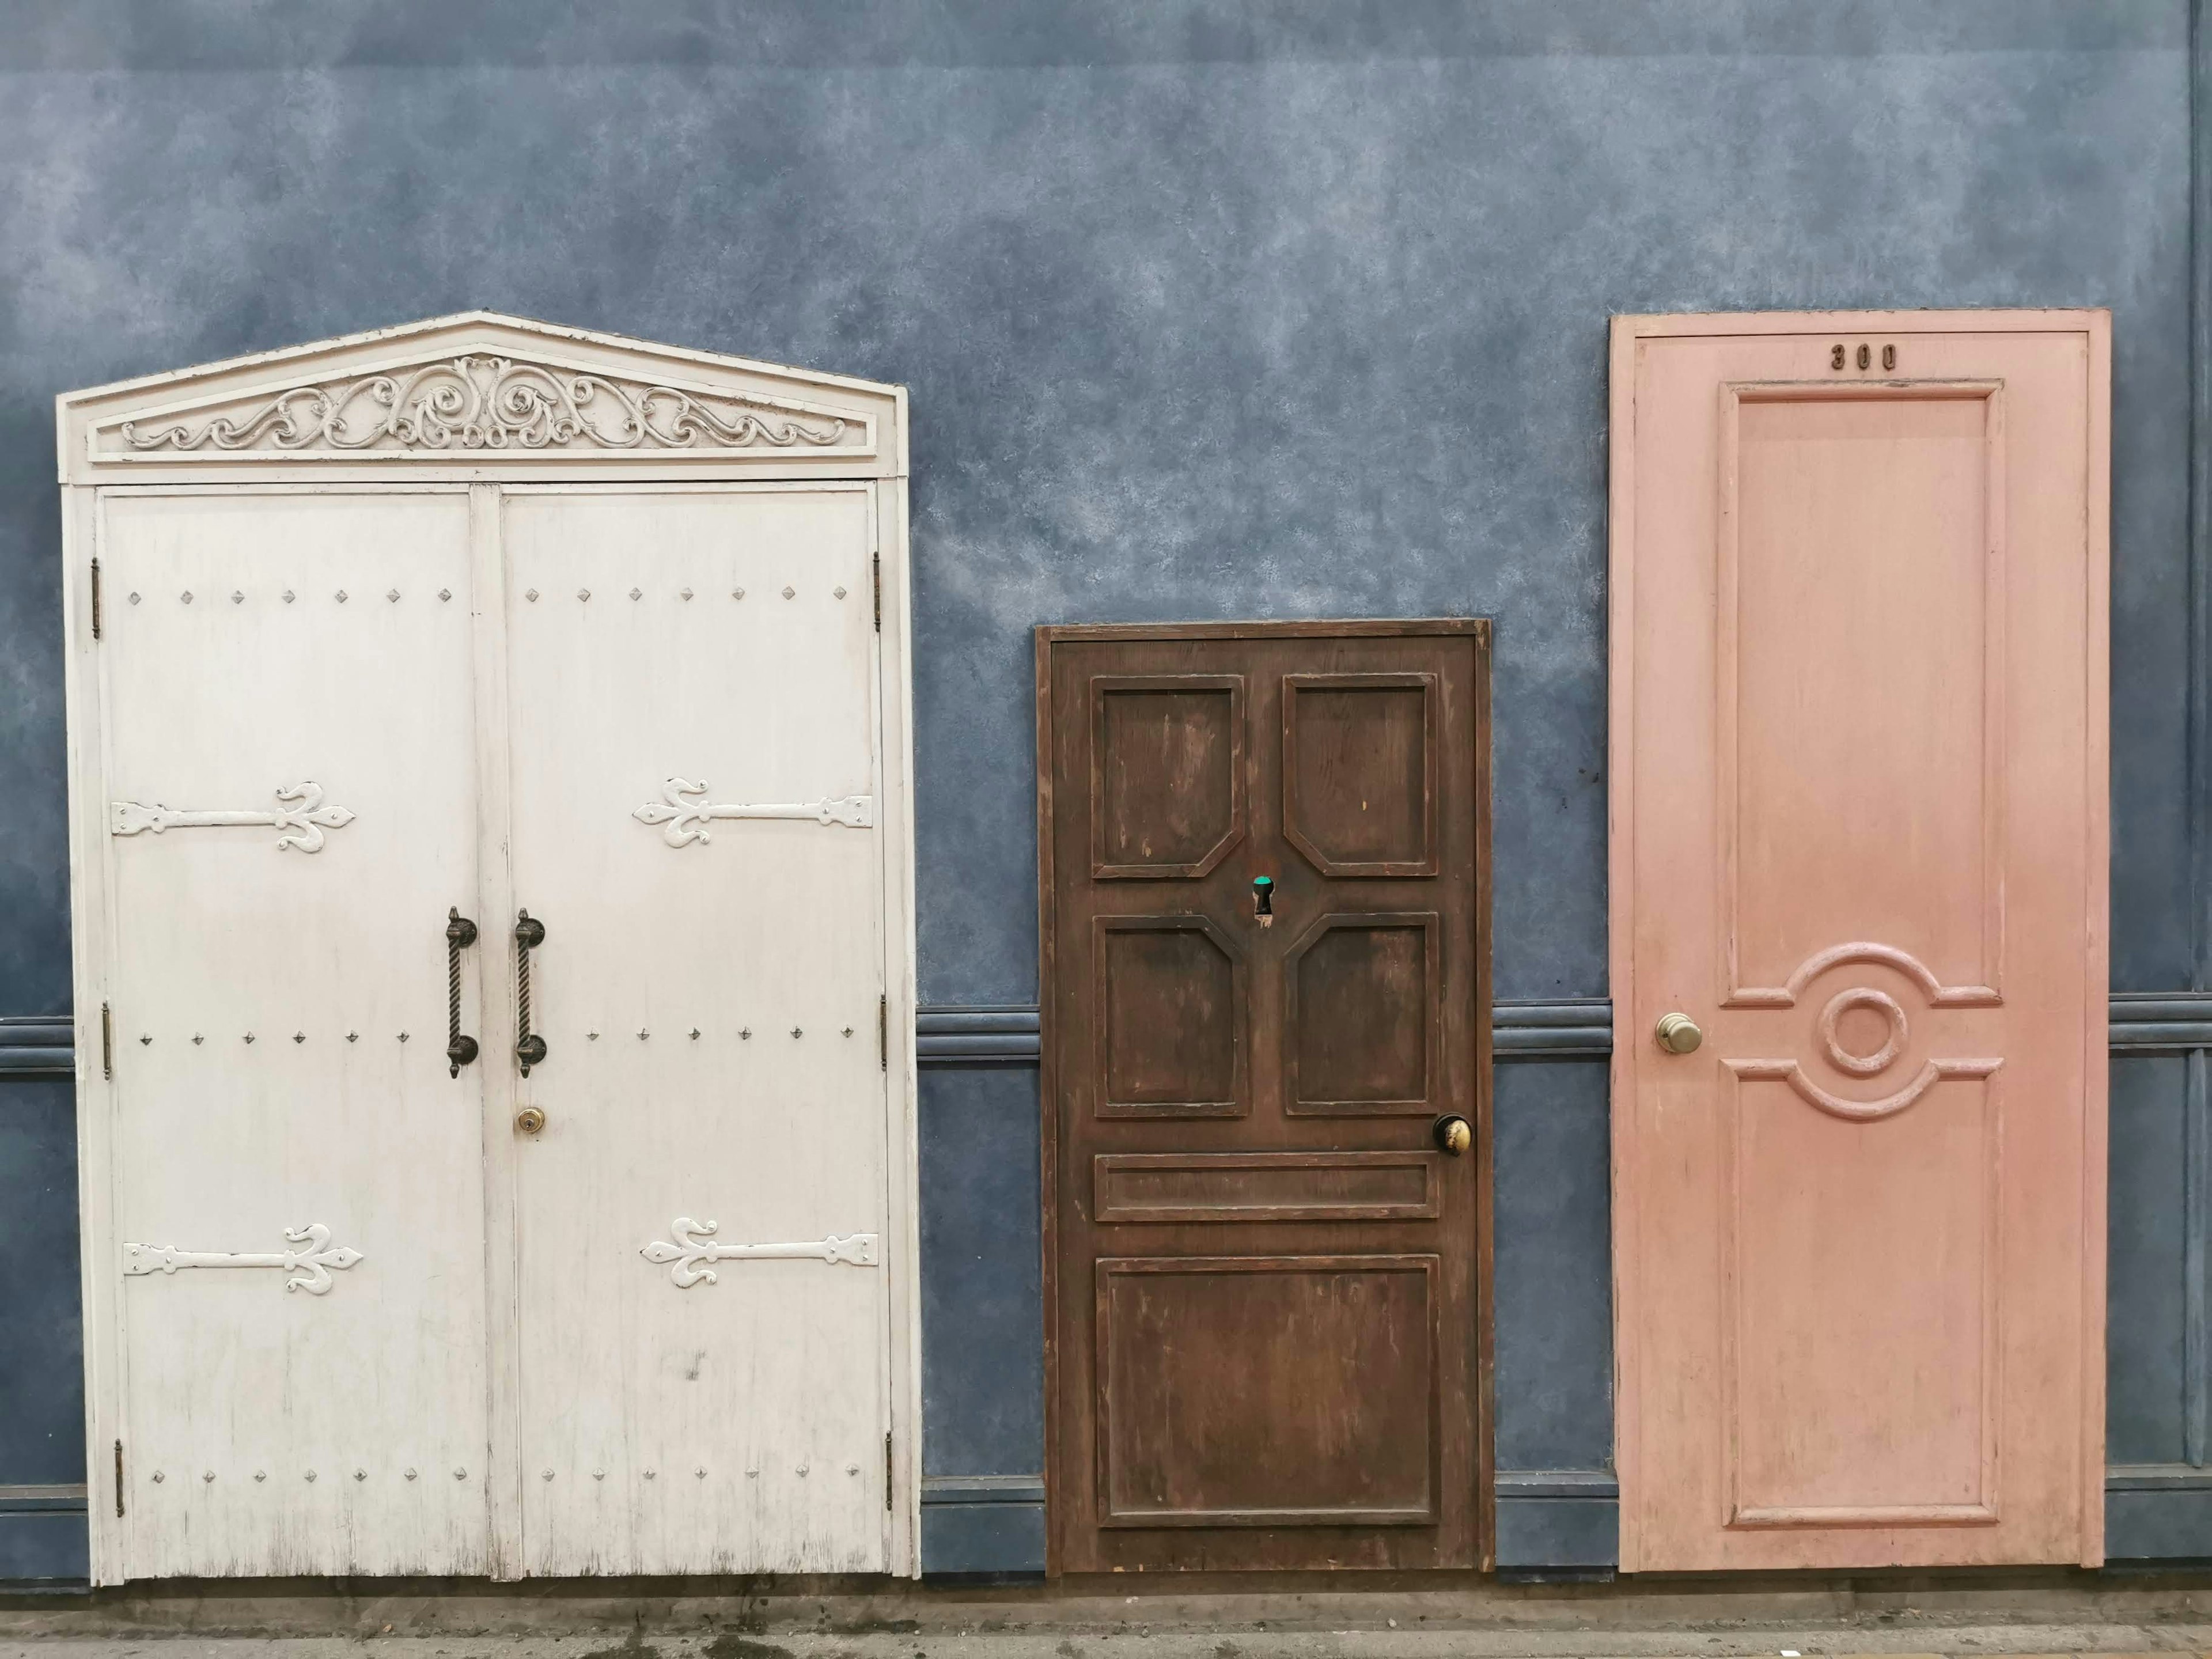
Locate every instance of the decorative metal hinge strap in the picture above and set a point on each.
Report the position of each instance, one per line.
(687, 816)
(96, 599)
(876, 562)
(695, 1249)
(304, 823)
(308, 1269)
(107, 1043)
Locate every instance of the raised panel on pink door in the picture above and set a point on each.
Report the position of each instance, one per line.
(1859, 830)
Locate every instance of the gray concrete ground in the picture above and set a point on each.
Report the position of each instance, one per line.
(1470, 1619)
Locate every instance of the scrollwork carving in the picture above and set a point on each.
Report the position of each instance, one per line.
(472, 403)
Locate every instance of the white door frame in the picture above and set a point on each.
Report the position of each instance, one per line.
(413, 410)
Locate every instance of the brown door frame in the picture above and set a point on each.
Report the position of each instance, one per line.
(1477, 628)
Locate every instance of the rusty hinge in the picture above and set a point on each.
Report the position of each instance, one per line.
(882, 1034)
(118, 1480)
(107, 1043)
(876, 561)
(887, 1471)
(96, 599)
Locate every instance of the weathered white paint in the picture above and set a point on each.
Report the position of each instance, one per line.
(497, 1322)
(778, 934)
(223, 1144)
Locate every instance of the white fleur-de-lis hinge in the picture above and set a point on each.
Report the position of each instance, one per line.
(307, 1269)
(302, 822)
(683, 807)
(689, 1259)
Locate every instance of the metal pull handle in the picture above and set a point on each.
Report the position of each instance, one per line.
(529, 934)
(460, 933)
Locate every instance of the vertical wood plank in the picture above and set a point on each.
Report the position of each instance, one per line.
(90, 939)
(895, 752)
(494, 987)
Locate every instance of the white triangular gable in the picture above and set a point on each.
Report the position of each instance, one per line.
(482, 395)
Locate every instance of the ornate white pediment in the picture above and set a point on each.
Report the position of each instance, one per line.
(483, 395)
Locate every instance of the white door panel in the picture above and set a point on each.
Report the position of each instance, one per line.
(326, 1416)
(708, 988)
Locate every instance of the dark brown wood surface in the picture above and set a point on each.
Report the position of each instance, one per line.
(1268, 1298)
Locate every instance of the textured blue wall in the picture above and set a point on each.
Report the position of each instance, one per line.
(1208, 309)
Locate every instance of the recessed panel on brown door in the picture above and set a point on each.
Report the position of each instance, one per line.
(1359, 783)
(1167, 773)
(1266, 991)
(1267, 1391)
(1168, 1000)
(1363, 1016)
(1858, 890)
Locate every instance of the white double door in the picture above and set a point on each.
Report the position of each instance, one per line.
(375, 1318)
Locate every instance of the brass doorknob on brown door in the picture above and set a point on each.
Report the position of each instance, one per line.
(1678, 1033)
(529, 1120)
(1455, 1134)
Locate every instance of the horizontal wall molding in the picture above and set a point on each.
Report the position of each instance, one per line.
(2142, 1023)
(1596, 1484)
(1578, 1026)
(982, 1489)
(1569, 1028)
(42, 1046)
(2157, 1477)
(978, 1036)
(2161, 1022)
(62, 1499)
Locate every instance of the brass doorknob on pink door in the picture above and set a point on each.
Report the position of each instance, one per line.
(1453, 1134)
(1678, 1033)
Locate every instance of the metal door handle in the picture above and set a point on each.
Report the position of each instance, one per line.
(1454, 1135)
(529, 934)
(1678, 1033)
(460, 933)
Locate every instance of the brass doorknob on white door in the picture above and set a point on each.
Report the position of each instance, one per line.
(1678, 1033)
(529, 1120)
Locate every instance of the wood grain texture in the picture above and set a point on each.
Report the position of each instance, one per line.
(1267, 1332)
(1857, 823)
(711, 1012)
(279, 1024)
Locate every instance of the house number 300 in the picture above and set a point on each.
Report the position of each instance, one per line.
(1839, 357)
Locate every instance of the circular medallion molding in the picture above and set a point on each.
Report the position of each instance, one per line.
(1863, 1065)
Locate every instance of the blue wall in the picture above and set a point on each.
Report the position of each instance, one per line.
(1207, 310)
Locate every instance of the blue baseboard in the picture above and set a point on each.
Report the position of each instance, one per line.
(42, 1547)
(1558, 1518)
(989, 1525)
(2158, 1513)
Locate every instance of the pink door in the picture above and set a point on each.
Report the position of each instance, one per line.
(1858, 917)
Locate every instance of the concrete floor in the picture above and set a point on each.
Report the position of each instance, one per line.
(2022, 1614)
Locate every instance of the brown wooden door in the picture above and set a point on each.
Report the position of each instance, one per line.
(1858, 800)
(1266, 1284)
